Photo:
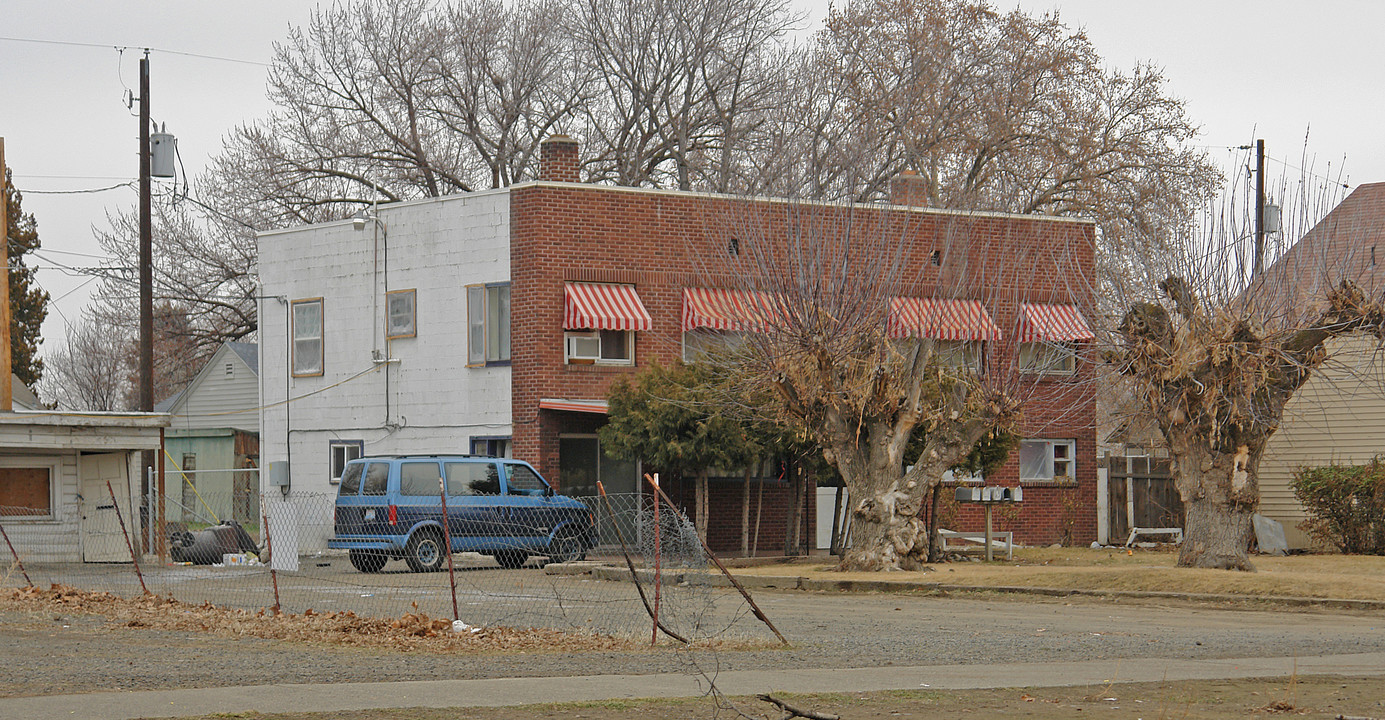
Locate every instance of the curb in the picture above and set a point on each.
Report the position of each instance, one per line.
(788, 582)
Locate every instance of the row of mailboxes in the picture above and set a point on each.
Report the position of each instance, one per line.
(990, 494)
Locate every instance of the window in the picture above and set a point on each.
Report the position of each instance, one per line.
(488, 324)
(26, 492)
(496, 447)
(351, 479)
(600, 347)
(399, 306)
(472, 478)
(1048, 460)
(419, 479)
(377, 478)
(341, 453)
(307, 337)
(704, 343)
(1048, 358)
(520, 480)
(958, 354)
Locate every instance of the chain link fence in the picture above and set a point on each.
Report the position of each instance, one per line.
(290, 555)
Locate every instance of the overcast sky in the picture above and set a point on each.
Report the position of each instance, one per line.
(1266, 68)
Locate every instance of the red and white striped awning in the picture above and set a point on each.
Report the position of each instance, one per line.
(740, 310)
(940, 319)
(1052, 323)
(599, 306)
(586, 406)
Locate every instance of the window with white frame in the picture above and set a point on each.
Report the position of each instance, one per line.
(488, 324)
(307, 337)
(342, 452)
(1048, 358)
(1048, 460)
(400, 314)
(600, 347)
(964, 355)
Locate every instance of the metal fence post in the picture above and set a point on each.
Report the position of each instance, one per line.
(20, 563)
(133, 557)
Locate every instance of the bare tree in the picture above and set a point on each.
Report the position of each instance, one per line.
(677, 78)
(999, 111)
(204, 264)
(1216, 356)
(92, 371)
(506, 78)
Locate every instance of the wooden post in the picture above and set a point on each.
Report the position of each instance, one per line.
(6, 361)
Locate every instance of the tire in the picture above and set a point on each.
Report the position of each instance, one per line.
(566, 547)
(424, 552)
(511, 559)
(367, 561)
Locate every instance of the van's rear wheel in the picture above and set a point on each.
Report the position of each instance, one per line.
(424, 552)
(367, 561)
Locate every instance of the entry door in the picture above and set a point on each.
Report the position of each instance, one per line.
(582, 463)
(102, 540)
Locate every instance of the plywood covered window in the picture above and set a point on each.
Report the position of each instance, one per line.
(26, 492)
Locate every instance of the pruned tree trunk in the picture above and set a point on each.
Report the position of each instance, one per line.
(1216, 535)
(1220, 492)
(886, 532)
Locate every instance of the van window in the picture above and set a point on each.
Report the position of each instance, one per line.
(377, 477)
(472, 478)
(351, 479)
(418, 479)
(523, 481)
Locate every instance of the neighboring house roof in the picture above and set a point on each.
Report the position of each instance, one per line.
(24, 398)
(177, 404)
(1347, 244)
(248, 352)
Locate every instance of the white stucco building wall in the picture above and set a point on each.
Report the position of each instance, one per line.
(383, 393)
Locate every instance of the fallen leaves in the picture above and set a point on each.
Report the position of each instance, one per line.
(413, 631)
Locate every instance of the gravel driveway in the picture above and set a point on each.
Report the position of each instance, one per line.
(46, 654)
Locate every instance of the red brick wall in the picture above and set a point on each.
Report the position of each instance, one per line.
(661, 242)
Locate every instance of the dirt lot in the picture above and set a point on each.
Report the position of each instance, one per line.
(1307, 697)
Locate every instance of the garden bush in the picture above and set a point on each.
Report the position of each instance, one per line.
(1345, 506)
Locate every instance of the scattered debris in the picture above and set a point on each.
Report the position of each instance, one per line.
(413, 631)
(793, 712)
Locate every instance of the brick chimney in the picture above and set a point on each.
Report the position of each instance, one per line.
(558, 159)
(909, 188)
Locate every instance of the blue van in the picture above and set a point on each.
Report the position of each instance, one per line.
(391, 507)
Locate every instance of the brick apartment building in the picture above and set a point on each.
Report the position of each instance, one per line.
(495, 322)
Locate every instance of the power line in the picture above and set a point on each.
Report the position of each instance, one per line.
(78, 192)
(126, 47)
(73, 177)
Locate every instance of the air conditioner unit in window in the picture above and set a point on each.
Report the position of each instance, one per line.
(584, 346)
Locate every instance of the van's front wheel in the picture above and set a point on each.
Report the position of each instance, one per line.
(424, 552)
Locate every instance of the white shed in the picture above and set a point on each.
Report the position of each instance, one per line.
(54, 470)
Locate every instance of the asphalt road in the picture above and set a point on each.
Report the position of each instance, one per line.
(49, 655)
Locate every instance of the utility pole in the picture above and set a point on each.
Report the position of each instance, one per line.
(146, 301)
(1259, 208)
(6, 361)
(146, 254)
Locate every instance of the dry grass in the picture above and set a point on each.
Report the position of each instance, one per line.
(1313, 576)
(410, 632)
